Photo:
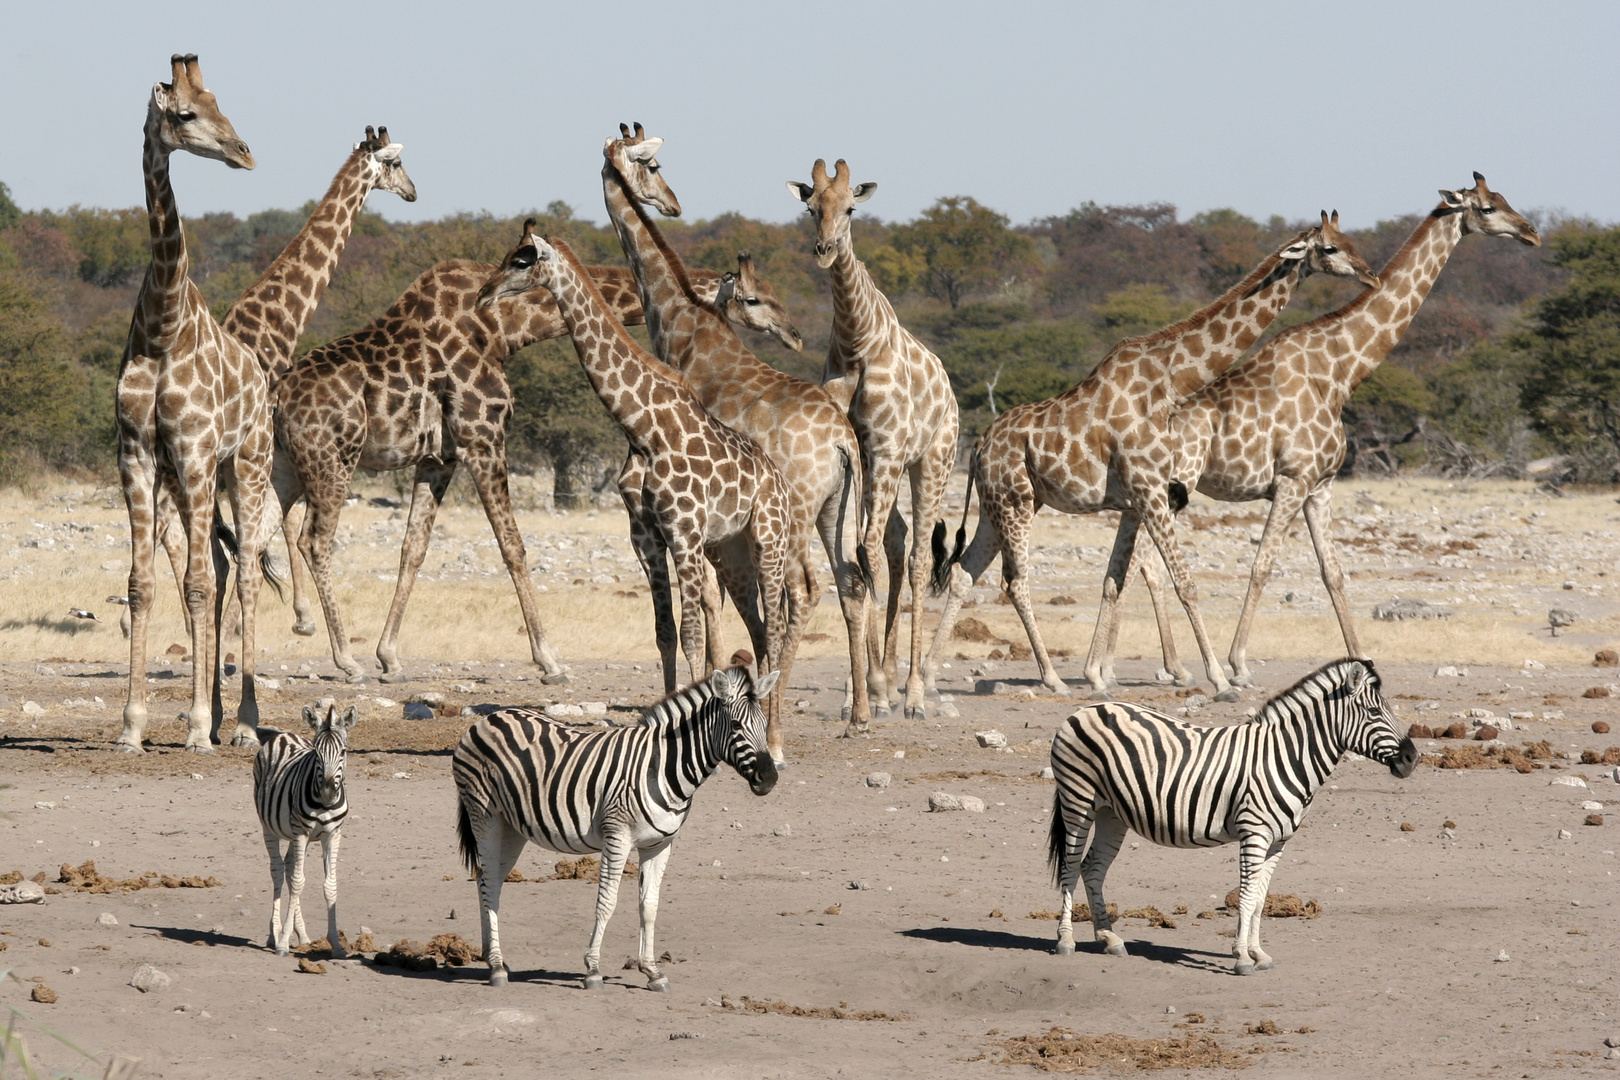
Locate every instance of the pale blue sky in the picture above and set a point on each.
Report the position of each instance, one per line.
(1033, 108)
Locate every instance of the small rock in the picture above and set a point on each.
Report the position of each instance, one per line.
(384, 703)
(107, 918)
(1553, 714)
(1612, 1040)
(1503, 957)
(1569, 586)
(877, 780)
(1564, 834)
(1567, 781)
(33, 708)
(859, 886)
(594, 708)
(782, 830)
(1595, 692)
(464, 688)
(990, 738)
(1403, 609)
(1048, 774)
(1002, 689)
(1486, 733)
(1481, 714)
(683, 1035)
(947, 710)
(275, 684)
(562, 710)
(427, 697)
(1447, 672)
(899, 755)
(23, 892)
(1533, 665)
(1195, 701)
(418, 710)
(1606, 658)
(941, 801)
(973, 803)
(1591, 804)
(148, 978)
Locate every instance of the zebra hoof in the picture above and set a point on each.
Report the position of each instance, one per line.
(1065, 948)
(304, 629)
(1243, 969)
(1265, 965)
(561, 678)
(1116, 950)
(1227, 695)
(659, 985)
(282, 950)
(497, 977)
(593, 981)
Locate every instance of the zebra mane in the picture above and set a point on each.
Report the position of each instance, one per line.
(698, 695)
(1330, 674)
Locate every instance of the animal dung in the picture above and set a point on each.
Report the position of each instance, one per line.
(307, 966)
(970, 629)
(1420, 731)
(1407, 826)
(43, 994)
(1485, 733)
(1606, 658)
(1456, 731)
(1596, 692)
(1594, 819)
(1281, 906)
(1600, 727)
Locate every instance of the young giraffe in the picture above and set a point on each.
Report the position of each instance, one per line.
(1105, 443)
(271, 315)
(797, 423)
(900, 402)
(1271, 430)
(192, 408)
(384, 398)
(695, 487)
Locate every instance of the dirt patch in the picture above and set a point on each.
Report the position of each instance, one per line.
(1281, 906)
(85, 878)
(815, 1012)
(1062, 1050)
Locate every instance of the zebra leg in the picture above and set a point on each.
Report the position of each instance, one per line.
(1107, 834)
(1254, 848)
(278, 873)
(294, 923)
(653, 862)
(1263, 962)
(1074, 842)
(615, 850)
(329, 851)
(499, 846)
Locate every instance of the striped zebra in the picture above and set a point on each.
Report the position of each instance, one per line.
(523, 777)
(298, 789)
(1122, 767)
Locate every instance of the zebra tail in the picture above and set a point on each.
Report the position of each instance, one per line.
(225, 537)
(469, 842)
(941, 578)
(1057, 841)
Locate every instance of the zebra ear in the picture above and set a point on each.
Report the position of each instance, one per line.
(721, 682)
(766, 683)
(346, 721)
(312, 718)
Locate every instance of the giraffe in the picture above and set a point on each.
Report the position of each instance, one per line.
(271, 315)
(695, 487)
(797, 423)
(1270, 429)
(192, 409)
(900, 402)
(1104, 444)
(423, 386)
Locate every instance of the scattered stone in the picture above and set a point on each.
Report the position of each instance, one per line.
(1606, 658)
(674, 1035)
(1553, 714)
(1503, 957)
(1048, 774)
(43, 994)
(990, 738)
(1407, 826)
(1560, 617)
(1481, 714)
(1599, 727)
(782, 830)
(1003, 689)
(33, 708)
(946, 709)
(465, 688)
(1569, 586)
(107, 918)
(1567, 781)
(1594, 819)
(594, 708)
(22, 892)
(1455, 731)
(417, 710)
(427, 697)
(877, 780)
(148, 978)
(562, 710)
(1424, 706)
(1450, 671)
(1533, 665)
(1612, 1040)
(859, 886)
(1486, 733)
(1420, 731)
(1564, 834)
(941, 801)
(973, 803)
(1403, 609)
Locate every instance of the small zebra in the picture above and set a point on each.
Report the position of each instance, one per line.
(1122, 767)
(298, 789)
(522, 777)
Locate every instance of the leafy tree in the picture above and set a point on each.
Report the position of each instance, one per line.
(1138, 309)
(1572, 388)
(964, 247)
(47, 403)
(9, 210)
(557, 416)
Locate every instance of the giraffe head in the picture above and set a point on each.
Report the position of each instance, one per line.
(531, 265)
(1331, 252)
(831, 202)
(632, 156)
(183, 115)
(1485, 211)
(384, 169)
(746, 300)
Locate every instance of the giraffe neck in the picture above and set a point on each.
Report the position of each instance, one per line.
(1200, 348)
(1375, 321)
(161, 309)
(271, 315)
(615, 365)
(863, 319)
(673, 311)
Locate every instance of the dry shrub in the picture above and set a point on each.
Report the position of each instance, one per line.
(1061, 1050)
(1539, 751)
(584, 868)
(12, 878)
(1062, 601)
(1264, 1027)
(818, 1012)
(970, 629)
(1594, 819)
(836, 909)
(1492, 757)
(1281, 906)
(407, 954)
(84, 878)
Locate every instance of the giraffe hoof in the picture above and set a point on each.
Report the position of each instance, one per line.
(1099, 695)
(199, 748)
(560, 678)
(593, 981)
(856, 731)
(1061, 690)
(916, 712)
(1065, 948)
(127, 748)
(304, 629)
(1186, 679)
(497, 977)
(659, 985)
(393, 677)
(355, 679)
(1227, 695)
(244, 740)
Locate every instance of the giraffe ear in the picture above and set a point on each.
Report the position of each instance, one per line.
(800, 190)
(390, 152)
(1295, 251)
(645, 149)
(864, 191)
(1451, 198)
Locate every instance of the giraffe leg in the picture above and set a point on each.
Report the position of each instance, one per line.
(616, 845)
(315, 543)
(653, 862)
(1107, 834)
(138, 479)
(840, 542)
(255, 505)
(894, 558)
(1154, 509)
(652, 553)
(432, 480)
(1285, 505)
(216, 673)
(172, 536)
(700, 608)
(197, 483)
(329, 852)
(1120, 560)
(489, 474)
(781, 589)
(1015, 517)
(928, 480)
(1319, 518)
(303, 613)
(1173, 667)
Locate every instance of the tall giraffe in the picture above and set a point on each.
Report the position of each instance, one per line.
(1105, 443)
(1271, 430)
(423, 386)
(271, 315)
(696, 488)
(899, 400)
(192, 408)
(799, 424)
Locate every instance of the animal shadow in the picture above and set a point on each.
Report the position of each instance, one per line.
(199, 937)
(1197, 959)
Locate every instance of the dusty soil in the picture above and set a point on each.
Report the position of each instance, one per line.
(780, 968)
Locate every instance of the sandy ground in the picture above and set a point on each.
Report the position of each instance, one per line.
(1400, 975)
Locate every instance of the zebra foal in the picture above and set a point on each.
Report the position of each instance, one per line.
(1122, 767)
(523, 777)
(298, 790)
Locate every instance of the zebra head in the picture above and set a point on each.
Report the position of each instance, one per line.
(1367, 725)
(331, 746)
(741, 731)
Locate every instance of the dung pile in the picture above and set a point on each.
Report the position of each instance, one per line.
(1062, 1050)
(1281, 906)
(85, 878)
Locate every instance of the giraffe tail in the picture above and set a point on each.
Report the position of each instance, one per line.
(941, 578)
(852, 484)
(225, 537)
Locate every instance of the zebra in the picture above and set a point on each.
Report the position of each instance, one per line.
(298, 789)
(521, 776)
(1122, 767)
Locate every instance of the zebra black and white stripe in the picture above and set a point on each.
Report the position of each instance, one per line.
(298, 790)
(1121, 767)
(521, 777)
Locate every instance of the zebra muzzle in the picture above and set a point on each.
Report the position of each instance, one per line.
(1405, 759)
